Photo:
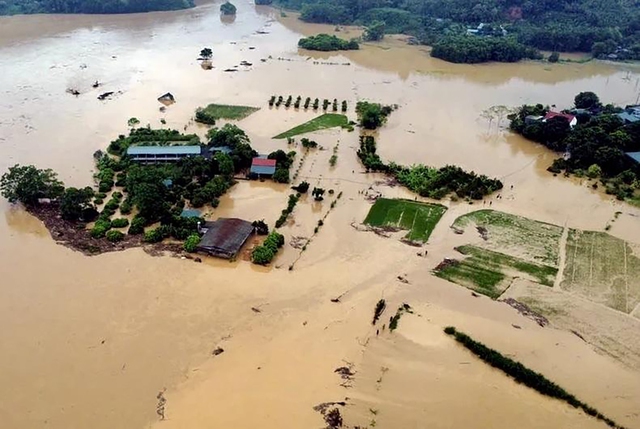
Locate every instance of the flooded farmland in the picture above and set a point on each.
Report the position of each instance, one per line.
(93, 341)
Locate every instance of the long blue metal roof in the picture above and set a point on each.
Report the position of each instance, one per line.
(164, 150)
(263, 169)
(634, 155)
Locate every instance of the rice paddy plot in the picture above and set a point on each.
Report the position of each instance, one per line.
(528, 239)
(490, 273)
(418, 218)
(322, 122)
(603, 269)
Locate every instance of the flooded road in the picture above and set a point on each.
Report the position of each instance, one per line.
(90, 342)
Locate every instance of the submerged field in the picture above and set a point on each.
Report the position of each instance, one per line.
(491, 273)
(419, 218)
(603, 269)
(227, 111)
(527, 239)
(322, 122)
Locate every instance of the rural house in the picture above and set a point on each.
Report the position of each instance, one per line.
(263, 167)
(155, 154)
(224, 237)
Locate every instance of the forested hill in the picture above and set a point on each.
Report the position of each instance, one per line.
(13, 7)
(555, 25)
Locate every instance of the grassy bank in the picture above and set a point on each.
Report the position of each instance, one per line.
(524, 375)
(419, 218)
(322, 122)
(490, 273)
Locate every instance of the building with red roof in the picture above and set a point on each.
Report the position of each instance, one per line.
(570, 118)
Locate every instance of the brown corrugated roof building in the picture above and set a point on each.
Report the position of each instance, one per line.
(225, 237)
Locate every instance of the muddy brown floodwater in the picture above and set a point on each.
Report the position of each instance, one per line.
(90, 342)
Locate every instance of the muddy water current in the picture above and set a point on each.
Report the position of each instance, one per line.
(91, 342)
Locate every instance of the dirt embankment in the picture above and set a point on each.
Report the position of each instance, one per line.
(76, 236)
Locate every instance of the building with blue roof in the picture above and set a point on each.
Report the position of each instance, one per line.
(155, 154)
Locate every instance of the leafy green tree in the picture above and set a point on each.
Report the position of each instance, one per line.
(27, 184)
(225, 164)
(191, 243)
(281, 175)
(262, 255)
(132, 122)
(76, 204)
(374, 31)
(206, 53)
(594, 171)
(227, 8)
(587, 100)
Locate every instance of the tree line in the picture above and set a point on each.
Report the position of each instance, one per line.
(601, 27)
(13, 7)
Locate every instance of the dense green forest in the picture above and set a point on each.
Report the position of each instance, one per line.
(595, 147)
(325, 42)
(603, 27)
(13, 7)
(474, 49)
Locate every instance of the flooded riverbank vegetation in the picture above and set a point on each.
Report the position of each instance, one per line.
(324, 43)
(508, 31)
(14, 7)
(597, 141)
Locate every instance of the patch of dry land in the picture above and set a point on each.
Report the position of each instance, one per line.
(127, 340)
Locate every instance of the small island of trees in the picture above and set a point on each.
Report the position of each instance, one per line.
(595, 141)
(324, 42)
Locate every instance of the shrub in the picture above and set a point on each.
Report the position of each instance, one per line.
(114, 236)
(126, 207)
(119, 223)
(137, 225)
(154, 236)
(262, 255)
(191, 243)
(98, 231)
(98, 201)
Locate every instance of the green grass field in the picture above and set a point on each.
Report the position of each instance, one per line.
(528, 239)
(322, 122)
(490, 273)
(225, 111)
(418, 218)
(603, 269)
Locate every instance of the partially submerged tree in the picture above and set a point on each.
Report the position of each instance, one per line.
(27, 184)
(318, 194)
(228, 8)
(75, 204)
(206, 53)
